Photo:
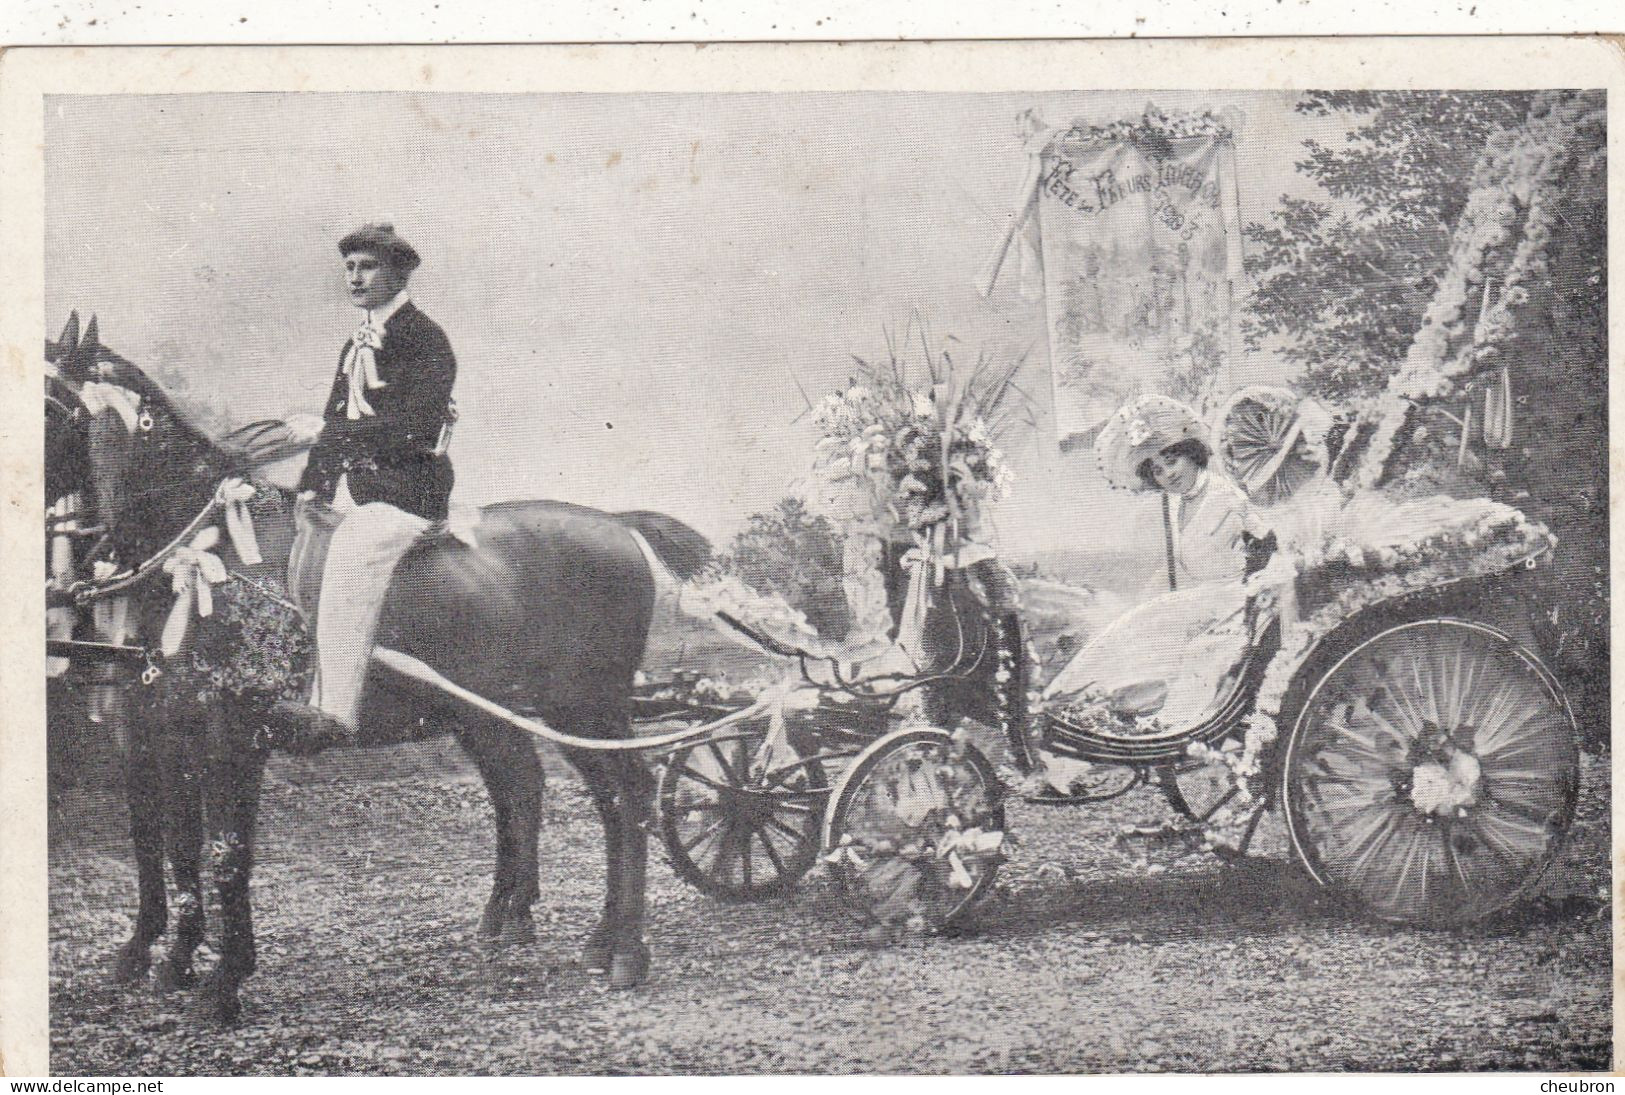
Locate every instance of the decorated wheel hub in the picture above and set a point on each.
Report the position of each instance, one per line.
(1446, 777)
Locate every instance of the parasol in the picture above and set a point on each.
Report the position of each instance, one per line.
(1272, 442)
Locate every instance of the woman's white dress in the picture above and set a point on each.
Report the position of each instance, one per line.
(1166, 658)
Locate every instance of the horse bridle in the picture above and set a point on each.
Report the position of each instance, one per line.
(66, 401)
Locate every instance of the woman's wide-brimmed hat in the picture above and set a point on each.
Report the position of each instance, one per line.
(1271, 441)
(1139, 430)
(381, 240)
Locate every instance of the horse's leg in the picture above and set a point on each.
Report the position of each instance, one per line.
(526, 780)
(515, 778)
(144, 793)
(181, 749)
(233, 768)
(629, 965)
(598, 950)
(480, 741)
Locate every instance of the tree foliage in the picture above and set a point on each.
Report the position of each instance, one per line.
(797, 554)
(1341, 284)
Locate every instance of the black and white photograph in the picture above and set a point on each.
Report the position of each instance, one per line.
(828, 580)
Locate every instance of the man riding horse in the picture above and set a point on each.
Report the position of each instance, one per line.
(380, 463)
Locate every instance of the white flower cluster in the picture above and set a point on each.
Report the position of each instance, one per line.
(1154, 122)
(1516, 180)
(851, 456)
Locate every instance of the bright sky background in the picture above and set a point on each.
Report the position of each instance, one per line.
(633, 285)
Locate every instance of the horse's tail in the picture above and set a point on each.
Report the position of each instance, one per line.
(684, 551)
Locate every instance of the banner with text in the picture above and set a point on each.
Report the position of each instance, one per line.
(1141, 248)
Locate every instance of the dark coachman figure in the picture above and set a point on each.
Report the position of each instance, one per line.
(379, 467)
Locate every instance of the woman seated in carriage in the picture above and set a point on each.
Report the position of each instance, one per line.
(1164, 664)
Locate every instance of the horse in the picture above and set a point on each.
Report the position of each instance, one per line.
(550, 613)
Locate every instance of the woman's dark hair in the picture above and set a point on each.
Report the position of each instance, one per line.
(1190, 448)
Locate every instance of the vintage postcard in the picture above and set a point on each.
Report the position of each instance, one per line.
(970, 558)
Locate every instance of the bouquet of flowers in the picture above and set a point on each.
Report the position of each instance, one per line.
(899, 455)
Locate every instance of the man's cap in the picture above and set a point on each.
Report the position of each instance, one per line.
(382, 241)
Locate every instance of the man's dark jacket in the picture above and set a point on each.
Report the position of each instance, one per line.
(390, 455)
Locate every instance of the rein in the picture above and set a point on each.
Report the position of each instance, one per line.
(85, 591)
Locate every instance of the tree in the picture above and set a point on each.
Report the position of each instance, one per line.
(1342, 284)
(796, 554)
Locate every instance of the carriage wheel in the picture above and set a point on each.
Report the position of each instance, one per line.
(1432, 774)
(736, 834)
(915, 829)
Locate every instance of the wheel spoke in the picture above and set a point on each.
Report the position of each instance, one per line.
(721, 864)
(698, 777)
(1411, 844)
(772, 853)
(1458, 870)
(709, 831)
(700, 805)
(723, 762)
(774, 823)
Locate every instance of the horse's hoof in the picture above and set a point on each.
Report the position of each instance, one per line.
(629, 969)
(173, 976)
(596, 955)
(130, 966)
(518, 931)
(216, 1005)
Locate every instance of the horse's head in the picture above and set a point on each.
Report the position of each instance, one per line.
(112, 436)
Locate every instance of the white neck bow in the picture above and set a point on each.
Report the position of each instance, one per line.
(361, 361)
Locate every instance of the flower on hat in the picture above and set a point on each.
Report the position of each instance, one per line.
(1139, 432)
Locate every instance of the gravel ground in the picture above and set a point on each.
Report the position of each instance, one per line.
(374, 866)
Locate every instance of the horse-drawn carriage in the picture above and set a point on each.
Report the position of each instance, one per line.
(1428, 768)
(1425, 760)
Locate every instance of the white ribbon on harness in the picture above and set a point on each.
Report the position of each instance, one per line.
(928, 567)
(99, 396)
(234, 495)
(59, 621)
(193, 569)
